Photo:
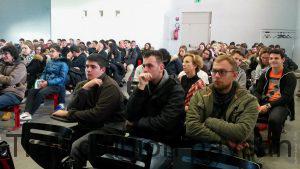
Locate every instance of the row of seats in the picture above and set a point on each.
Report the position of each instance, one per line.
(111, 151)
(17, 110)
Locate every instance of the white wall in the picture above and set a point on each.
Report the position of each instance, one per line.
(240, 20)
(153, 20)
(28, 19)
(297, 46)
(140, 20)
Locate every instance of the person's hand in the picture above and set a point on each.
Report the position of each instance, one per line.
(92, 83)
(128, 125)
(186, 108)
(263, 109)
(43, 84)
(144, 79)
(60, 113)
(237, 147)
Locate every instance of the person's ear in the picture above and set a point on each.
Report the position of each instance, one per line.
(162, 66)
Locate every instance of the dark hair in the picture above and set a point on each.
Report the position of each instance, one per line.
(232, 43)
(165, 54)
(63, 40)
(113, 50)
(82, 43)
(12, 50)
(95, 57)
(277, 46)
(88, 43)
(42, 39)
(277, 51)
(112, 40)
(22, 39)
(35, 40)
(96, 42)
(148, 45)
(210, 53)
(74, 49)
(157, 54)
(244, 45)
(56, 47)
(2, 40)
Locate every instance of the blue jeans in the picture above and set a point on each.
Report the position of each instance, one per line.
(9, 99)
(36, 96)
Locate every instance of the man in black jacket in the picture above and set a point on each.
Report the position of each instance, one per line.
(275, 92)
(156, 108)
(96, 102)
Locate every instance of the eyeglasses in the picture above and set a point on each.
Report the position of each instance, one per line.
(220, 72)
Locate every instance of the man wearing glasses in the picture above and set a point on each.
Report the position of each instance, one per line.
(223, 112)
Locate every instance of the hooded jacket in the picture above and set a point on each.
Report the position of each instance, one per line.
(287, 85)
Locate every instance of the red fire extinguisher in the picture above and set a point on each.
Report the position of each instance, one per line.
(176, 31)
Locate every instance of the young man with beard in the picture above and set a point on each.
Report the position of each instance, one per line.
(223, 112)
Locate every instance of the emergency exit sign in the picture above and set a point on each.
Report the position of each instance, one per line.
(197, 1)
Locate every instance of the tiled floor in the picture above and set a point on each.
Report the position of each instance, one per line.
(292, 134)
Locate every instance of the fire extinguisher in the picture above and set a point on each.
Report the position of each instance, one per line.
(176, 31)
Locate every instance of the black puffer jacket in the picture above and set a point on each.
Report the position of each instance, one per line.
(158, 114)
(287, 85)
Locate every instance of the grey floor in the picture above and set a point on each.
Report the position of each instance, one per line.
(292, 134)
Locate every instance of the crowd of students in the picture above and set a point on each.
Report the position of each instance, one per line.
(214, 93)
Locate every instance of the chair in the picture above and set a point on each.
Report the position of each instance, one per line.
(16, 109)
(46, 144)
(261, 126)
(197, 158)
(119, 152)
(54, 96)
(6, 160)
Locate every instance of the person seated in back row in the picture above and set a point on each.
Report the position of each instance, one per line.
(51, 81)
(223, 112)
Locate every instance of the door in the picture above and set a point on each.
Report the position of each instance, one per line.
(195, 28)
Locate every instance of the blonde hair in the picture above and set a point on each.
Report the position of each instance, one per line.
(197, 60)
(229, 59)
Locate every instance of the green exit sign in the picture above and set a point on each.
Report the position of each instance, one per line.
(197, 1)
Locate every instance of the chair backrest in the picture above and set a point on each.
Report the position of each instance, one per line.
(190, 158)
(6, 160)
(46, 144)
(119, 152)
(228, 160)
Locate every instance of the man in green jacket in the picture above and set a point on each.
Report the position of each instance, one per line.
(223, 112)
